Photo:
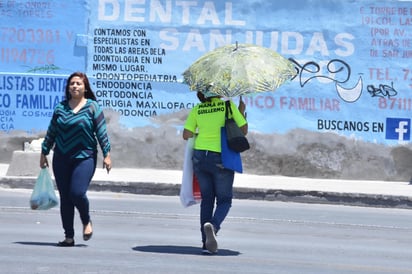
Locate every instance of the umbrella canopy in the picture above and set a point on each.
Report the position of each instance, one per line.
(239, 69)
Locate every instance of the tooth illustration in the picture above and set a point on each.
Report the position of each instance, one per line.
(350, 95)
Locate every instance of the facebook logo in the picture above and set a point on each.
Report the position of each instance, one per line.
(398, 129)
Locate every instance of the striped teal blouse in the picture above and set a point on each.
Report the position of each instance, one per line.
(75, 134)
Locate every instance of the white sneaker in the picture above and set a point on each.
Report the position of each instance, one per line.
(211, 242)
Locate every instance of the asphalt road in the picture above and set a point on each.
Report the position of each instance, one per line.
(155, 234)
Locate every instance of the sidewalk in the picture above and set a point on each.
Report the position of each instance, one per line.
(247, 186)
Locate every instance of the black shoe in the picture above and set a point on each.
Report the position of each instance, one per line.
(87, 236)
(67, 242)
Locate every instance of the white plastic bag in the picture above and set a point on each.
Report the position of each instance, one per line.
(43, 196)
(189, 190)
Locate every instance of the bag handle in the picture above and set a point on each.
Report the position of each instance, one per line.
(230, 109)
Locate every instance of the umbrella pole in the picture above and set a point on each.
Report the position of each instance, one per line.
(237, 46)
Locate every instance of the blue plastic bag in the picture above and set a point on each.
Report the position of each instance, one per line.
(43, 196)
(230, 158)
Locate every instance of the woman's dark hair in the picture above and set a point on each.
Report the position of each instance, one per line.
(89, 94)
(201, 97)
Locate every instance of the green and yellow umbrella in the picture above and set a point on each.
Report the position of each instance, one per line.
(239, 69)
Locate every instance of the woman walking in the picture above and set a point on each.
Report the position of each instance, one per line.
(216, 182)
(77, 125)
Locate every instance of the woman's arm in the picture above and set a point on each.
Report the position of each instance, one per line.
(99, 123)
(242, 110)
(49, 140)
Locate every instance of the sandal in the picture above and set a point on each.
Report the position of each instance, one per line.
(67, 242)
(87, 236)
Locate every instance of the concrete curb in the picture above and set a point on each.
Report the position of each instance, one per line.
(299, 196)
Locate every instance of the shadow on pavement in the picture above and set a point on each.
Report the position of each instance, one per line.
(184, 250)
(45, 244)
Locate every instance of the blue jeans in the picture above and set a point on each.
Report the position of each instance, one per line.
(216, 184)
(73, 178)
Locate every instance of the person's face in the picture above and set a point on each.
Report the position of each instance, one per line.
(76, 87)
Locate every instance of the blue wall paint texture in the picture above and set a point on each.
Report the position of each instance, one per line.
(353, 61)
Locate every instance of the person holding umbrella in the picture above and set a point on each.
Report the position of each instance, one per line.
(205, 121)
(228, 71)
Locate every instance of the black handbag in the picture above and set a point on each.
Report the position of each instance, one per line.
(236, 140)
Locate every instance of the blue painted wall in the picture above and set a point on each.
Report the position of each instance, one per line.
(353, 60)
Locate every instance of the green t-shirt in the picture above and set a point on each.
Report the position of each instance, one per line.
(206, 119)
